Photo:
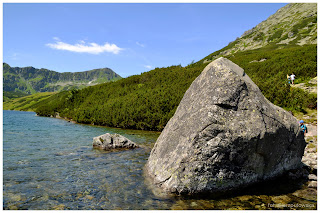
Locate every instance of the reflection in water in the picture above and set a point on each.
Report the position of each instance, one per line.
(50, 164)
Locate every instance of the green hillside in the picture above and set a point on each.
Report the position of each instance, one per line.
(149, 100)
(12, 95)
(27, 103)
(30, 80)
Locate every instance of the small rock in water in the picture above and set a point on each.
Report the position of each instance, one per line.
(312, 177)
(14, 197)
(59, 207)
(89, 197)
(245, 198)
(193, 204)
(113, 141)
(282, 199)
(12, 207)
(312, 184)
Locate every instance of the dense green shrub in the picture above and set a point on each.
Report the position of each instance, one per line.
(10, 95)
(276, 35)
(259, 37)
(303, 23)
(270, 75)
(149, 100)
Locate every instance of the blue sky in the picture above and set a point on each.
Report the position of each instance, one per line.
(128, 38)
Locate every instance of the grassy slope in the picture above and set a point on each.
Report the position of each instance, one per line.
(12, 95)
(27, 103)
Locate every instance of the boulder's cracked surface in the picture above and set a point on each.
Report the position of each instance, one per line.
(224, 134)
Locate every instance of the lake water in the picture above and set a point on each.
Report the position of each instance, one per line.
(49, 163)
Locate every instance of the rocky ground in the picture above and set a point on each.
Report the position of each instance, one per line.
(310, 87)
(310, 155)
(309, 159)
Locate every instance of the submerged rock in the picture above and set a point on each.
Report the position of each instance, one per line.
(224, 135)
(312, 184)
(113, 141)
(312, 177)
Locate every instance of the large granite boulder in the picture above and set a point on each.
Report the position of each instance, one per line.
(224, 135)
(113, 141)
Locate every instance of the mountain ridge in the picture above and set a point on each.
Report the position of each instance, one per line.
(293, 24)
(31, 80)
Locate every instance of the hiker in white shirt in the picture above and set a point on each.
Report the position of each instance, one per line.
(292, 76)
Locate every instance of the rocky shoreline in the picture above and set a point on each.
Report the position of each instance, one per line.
(309, 158)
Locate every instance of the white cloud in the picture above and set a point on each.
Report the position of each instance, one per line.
(14, 56)
(148, 66)
(82, 47)
(139, 44)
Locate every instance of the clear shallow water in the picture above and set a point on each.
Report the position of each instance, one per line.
(50, 164)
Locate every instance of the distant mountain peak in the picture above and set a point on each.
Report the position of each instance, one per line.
(32, 80)
(293, 24)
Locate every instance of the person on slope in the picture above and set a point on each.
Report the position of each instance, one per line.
(303, 127)
(289, 79)
(292, 76)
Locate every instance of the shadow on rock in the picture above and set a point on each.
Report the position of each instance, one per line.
(287, 183)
